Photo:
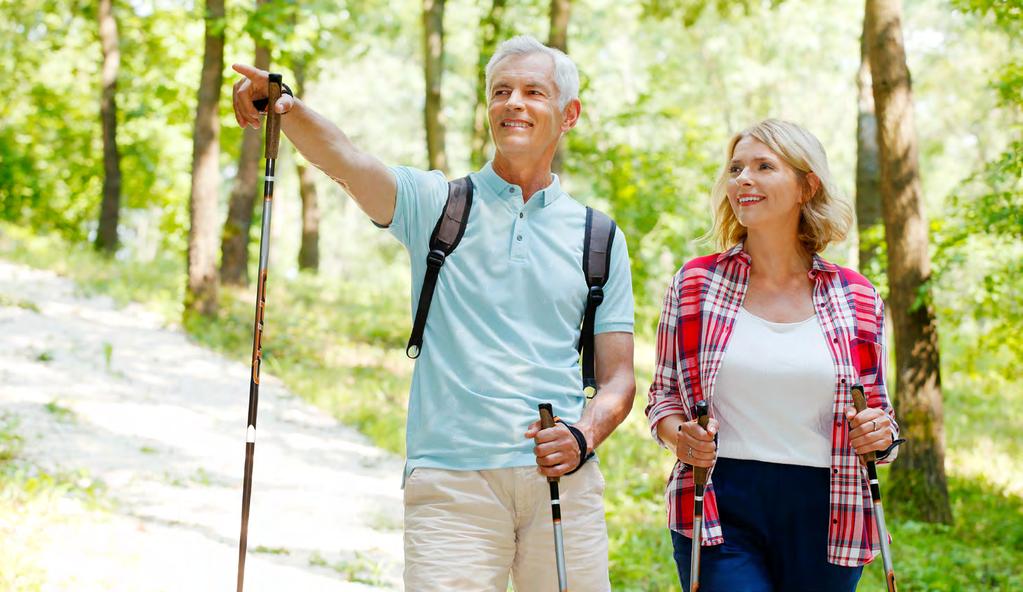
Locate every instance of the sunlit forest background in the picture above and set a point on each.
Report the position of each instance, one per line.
(665, 83)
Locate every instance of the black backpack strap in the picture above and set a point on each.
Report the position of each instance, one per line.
(600, 233)
(446, 236)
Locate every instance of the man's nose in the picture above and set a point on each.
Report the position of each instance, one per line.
(515, 99)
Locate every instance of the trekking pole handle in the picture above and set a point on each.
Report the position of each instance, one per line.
(546, 422)
(860, 403)
(273, 118)
(700, 473)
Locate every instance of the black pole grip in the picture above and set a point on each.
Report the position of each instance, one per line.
(700, 473)
(546, 422)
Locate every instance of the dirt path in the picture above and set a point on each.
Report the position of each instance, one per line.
(160, 422)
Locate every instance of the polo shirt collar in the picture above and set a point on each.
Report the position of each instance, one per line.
(498, 186)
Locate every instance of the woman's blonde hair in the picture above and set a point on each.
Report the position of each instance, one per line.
(824, 218)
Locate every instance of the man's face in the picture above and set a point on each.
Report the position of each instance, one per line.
(523, 105)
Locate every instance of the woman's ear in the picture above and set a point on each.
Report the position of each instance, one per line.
(813, 184)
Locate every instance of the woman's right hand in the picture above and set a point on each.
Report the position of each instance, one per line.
(695, 446)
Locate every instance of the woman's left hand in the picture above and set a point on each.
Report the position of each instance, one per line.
(870, 430)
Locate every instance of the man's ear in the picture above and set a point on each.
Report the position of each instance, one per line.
(572, 111)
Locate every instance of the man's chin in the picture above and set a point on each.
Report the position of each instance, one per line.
(514, 146)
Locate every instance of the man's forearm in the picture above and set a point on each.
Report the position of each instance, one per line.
(607, 411)
(326, 147)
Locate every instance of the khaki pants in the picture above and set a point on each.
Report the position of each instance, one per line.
(465, 531)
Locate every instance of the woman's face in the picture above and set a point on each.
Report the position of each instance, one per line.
(763, 190)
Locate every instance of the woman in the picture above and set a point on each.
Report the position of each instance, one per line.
(772, 336)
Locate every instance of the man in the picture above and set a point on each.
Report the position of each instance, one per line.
(500, 338)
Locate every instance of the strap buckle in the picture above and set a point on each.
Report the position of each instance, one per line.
(596, 295)
(435, 259)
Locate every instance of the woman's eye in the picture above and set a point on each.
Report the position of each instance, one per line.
(766, 166)
(734, 170)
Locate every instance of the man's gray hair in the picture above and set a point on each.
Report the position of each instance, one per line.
(566, 76)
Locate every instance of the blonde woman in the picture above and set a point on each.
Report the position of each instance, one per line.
(772, 336)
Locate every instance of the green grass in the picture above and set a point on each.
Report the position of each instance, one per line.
(340, 344)
(17, 303)
(60, 412)
(360, 568)
(271, 550)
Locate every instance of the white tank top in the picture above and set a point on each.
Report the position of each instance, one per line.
(775, 393)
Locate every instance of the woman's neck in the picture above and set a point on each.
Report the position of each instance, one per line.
(777, 255)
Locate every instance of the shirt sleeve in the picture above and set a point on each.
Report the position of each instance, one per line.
(665, 398)
(615, 313)
(418, 202)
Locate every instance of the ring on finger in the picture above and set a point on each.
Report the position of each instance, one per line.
(690, 452)
(873, 425)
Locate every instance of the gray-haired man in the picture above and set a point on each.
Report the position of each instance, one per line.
(500, 338)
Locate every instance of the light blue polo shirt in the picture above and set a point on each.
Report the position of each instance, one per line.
(504, 322)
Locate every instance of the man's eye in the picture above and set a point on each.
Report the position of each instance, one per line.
(734, 170)
(765, 165)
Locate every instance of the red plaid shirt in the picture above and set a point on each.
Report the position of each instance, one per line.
(696, 323)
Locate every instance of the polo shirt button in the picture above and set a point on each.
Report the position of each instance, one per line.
(511, 190)
(521, 215)
(519, 238)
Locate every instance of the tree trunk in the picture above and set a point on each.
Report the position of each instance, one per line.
(106, 235)
(918, 487)
(201, 294)
(868, 173)
(490, 31)
(309, 252)
(560, 12)
(234, 242)
(433, 64)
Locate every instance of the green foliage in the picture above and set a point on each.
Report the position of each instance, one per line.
(690, 11)
(980, 242)
(981, 551)
(664, 84)
(653, 193)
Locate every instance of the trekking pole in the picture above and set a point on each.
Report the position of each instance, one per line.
(273, 136)
(860, 402)
(547, 421)
(700, 481)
